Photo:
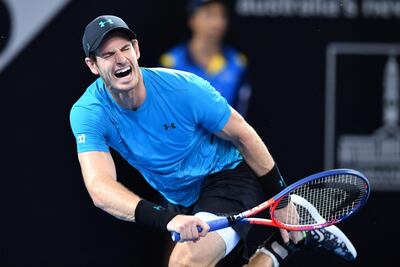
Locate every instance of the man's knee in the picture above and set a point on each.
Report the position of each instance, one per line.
(183, 256)
(207, 251)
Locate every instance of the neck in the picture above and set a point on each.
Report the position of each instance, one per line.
(130, 99)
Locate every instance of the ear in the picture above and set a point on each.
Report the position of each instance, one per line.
(135, 44)
(92, 65)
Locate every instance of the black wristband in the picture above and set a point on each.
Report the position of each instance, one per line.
(273, 183)
(151, 214)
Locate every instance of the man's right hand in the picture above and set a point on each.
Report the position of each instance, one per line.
(289, 214)
(187, 227)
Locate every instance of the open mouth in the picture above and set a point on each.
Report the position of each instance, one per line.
(123, 72)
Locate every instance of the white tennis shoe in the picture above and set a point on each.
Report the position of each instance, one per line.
(330, 239)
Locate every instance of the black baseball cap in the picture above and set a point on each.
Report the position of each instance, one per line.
(96, 30)
(193, 5)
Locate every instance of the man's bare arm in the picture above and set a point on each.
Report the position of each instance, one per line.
(107, 193)
(249, 143)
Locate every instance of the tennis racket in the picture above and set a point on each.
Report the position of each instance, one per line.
(316, 201)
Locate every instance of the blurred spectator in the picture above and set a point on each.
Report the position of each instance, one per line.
(207, 56)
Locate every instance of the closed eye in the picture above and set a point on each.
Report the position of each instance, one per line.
(107, 55)
(126, 47)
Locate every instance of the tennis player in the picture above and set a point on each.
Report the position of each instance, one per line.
(185, 140)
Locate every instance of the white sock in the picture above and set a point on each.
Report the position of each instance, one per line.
(268, 253)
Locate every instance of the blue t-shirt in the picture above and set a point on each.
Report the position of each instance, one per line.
(169, 138)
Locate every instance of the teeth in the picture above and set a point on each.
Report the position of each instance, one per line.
(123, 70)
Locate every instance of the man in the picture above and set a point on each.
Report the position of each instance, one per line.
(206, 55)
(183, 137)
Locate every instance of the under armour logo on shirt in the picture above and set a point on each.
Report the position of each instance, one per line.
(81, 139)
(169, 126)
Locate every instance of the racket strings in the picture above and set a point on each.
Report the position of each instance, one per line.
(324, 200)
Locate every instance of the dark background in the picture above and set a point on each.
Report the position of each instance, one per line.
(47, 217)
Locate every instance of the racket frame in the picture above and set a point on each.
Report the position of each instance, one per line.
(277, 198)
(272, 203)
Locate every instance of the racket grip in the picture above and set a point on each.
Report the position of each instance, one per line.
(218, 224)
(176, 237)
(214, 225)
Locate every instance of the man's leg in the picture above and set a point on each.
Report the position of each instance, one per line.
(261, 259)
(207, 251)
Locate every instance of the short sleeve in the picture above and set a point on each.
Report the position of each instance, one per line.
(88, 127)
(210, 109)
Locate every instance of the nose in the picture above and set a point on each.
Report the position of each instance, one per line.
(119, 58)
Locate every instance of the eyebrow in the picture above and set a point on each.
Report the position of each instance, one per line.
(112, 52)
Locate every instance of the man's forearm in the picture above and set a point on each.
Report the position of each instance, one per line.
(255, 152)
(112, 197)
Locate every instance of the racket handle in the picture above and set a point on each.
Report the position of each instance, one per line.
(214, 225)
(176, 237)
(218, 224)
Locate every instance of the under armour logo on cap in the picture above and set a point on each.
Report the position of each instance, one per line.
(98, 29)
(103, 23)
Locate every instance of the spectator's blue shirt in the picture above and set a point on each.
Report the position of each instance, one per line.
(226, 72)
(169, 138)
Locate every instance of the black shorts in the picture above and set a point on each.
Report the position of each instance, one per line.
(229, 192)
